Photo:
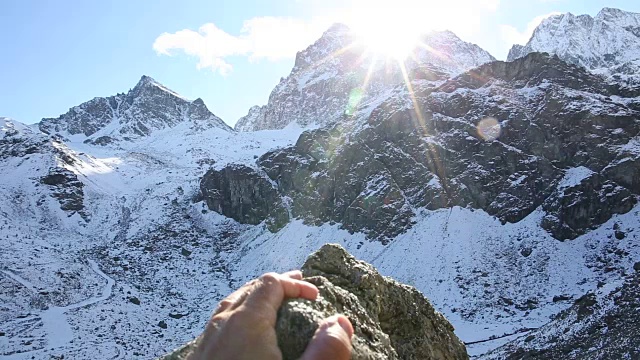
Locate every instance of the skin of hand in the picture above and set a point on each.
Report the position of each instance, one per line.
(243, 325)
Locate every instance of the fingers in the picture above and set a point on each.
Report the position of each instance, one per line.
(294, 274)
(332, 340)
(272, 288)
(236, 298)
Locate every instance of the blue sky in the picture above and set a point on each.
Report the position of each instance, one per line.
(58, 54)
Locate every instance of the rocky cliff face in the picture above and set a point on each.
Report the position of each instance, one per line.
(147, 107)
(391, 320)
(336, 74)
(607, 43)
(507, 138)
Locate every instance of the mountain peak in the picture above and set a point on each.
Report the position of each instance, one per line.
(316, 93)
(338, 28)
(147, 107)
(604, 42)
(146, 81)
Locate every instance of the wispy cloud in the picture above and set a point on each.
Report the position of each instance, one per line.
(270, 38)
(511, 35)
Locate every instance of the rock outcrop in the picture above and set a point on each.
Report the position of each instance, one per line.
(239, 192)
(67, 189)
(391, 320)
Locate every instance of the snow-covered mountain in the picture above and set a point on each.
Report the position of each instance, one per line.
(504, 193)
(608, 43)
(148, 107)
(337, 73)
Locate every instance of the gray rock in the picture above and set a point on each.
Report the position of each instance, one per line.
(325, 82)
(67, 189)
(391, 320)
(240, 193)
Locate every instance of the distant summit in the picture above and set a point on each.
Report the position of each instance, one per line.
(147, 107)
(608, 43)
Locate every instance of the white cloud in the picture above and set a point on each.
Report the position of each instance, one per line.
(271, 38)
(511, 35)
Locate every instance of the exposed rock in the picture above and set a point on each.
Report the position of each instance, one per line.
(574, 211)
(607, 42)
(620, 234)
(391, 320)
(134, 300)
(240, 193)
(67, 189)
(162, 324)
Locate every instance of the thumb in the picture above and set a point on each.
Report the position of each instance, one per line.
(332, 340)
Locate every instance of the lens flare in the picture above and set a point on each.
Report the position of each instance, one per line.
(489, 129)
(354, 99)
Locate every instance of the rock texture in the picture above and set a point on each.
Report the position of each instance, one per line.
(391, 320)
(240, 193)
(67, 189)
(507, 138)
(336, 74)
(607, 43)
(147, 107)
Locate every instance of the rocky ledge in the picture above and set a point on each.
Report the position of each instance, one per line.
(391, 320)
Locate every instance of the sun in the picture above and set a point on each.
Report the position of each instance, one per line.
(387, 42)
(390, 28)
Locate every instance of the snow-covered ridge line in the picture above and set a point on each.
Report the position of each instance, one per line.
(608, 43)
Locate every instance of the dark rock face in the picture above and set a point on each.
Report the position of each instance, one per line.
(67, 189)
(240, 193)
(505, 138)
(391, 320)
(574, 211)
(147, 107)
(579, 332)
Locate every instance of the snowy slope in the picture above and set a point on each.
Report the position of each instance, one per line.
(69, 272)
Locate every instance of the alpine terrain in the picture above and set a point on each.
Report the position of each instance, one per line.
(506, 192)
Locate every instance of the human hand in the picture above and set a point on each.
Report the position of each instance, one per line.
(243, 326)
